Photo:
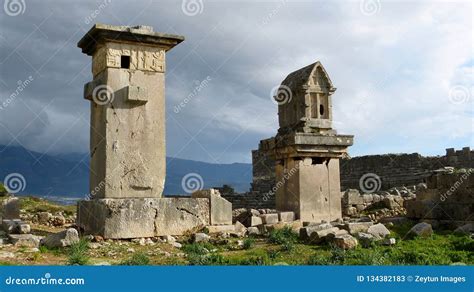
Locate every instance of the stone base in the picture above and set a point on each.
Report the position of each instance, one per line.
(142, 217)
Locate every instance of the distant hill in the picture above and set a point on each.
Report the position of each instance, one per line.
(67, 175)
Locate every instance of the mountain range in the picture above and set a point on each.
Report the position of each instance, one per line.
(67, 175)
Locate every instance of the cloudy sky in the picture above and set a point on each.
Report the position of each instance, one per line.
(403, 69)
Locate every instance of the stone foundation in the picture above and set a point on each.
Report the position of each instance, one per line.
(142, 217)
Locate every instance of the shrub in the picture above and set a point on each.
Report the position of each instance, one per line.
(282, 236)
(78, 253)
(248, 243)
(137, 259)
(3, 190)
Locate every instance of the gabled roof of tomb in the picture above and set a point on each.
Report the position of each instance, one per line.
(300, 77)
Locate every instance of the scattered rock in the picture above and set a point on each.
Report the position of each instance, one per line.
(465, 229)
(365, 239)
(200, 237)
(269, 218)
(320, 235)
(25, 240)
(253, 231)
(177, 244)
(130, 250)
(6, 255)
(305, 232)
(239, 229)
(345, 241)
(286, 216)
(422, 229)
(169, 239)
(64, 238)
(378, 231)
(389, 241)
(58, 220)
(44, 217)
(357, 227)
(94, 245)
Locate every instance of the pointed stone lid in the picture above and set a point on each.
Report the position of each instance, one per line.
(299, 78)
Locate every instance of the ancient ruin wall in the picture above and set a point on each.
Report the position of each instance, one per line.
(393, 169)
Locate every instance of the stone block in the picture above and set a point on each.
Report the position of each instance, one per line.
(220, 210)
(378, 231)
(61, 239)
(255, 221)
(269, 218)
(345, 241)
(10, 208)
(286, 216)
(422, 229)
(357, 227)
(220, 228)
(320, 236)
(24, 240)
(352, 197)
(253, 230)
(142, 217)
(305, 232)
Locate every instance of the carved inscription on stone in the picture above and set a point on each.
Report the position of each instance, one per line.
(141, 58)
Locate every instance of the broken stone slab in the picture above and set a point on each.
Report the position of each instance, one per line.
(15, 226)
(365, 239)
(320, 236)
(142, 217)
(269, 218)
(356, 227)
(422, 229)
(200, 237)
(352, 197)
(239, 230)
(220, 228)
(378, 231)
(286, 216)
(465, 229)
(253, 230)
(10, 208)
(220, 210)
(61, 239)
(255, 221)
(345, 241)
(24, 240)
(44, 217)
(305, 232)
(295, 226)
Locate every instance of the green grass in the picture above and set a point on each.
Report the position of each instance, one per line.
(249, 243)
(36, 205)
(3, 190)
(137, 259)
(77, 254)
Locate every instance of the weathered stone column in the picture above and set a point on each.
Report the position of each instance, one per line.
(127, 147)
(127, 143)
(306, 149)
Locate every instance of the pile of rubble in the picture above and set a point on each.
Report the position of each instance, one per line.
(378, 205)
(18, 232)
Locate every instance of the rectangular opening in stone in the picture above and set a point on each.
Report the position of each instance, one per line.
(125, 62)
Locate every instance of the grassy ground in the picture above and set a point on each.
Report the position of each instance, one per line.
(282, 247)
